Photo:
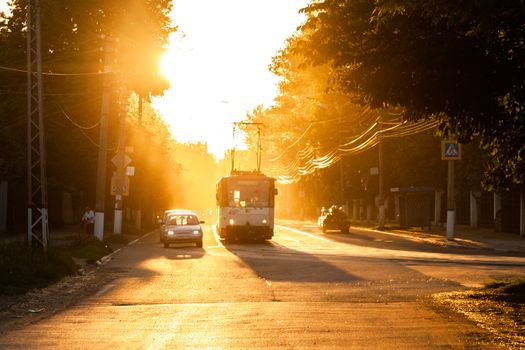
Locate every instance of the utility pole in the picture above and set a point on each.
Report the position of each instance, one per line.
(120, 161)
(380, 173)
(138, 215)
(103, 145)
(37, 216)
(451, 203)
(341, 167)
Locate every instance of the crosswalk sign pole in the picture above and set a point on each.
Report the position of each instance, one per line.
(450, 151)
(451, 205)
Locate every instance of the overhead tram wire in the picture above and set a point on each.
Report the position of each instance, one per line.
(304, 133)
(366, 110)
(287, 174)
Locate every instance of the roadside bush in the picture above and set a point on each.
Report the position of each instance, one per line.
(89, 248)
(512, 289)
(23, 268)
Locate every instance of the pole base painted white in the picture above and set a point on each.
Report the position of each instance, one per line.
(117, 224)
(451, 222)
(99, 225)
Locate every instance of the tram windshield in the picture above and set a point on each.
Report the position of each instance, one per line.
(248, 193)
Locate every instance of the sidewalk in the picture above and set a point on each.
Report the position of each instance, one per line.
(464, 236)
(479, 238)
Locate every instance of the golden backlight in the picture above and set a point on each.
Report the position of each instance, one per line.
(217, 65)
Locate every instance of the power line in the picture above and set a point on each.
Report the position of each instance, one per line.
(76, 124)
(54, 74)
(306, 161)
(20, 92)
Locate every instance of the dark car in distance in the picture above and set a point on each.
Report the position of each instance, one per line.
(334, 219)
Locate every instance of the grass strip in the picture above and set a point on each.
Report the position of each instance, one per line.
(498, 307)
(23, 268)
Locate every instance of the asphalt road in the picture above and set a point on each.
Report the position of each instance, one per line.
(302, 290)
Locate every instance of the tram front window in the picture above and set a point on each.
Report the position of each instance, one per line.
(248, 194)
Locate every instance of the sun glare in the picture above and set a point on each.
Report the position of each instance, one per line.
(217, 65)
(166, 68)
(4, 7)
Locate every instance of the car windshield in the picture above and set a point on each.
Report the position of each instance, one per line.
(181, 220)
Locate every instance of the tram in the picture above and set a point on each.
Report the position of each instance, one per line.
(245, 206)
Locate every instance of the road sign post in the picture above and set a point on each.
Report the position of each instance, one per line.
(450, 151)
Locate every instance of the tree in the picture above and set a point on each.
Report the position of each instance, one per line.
(459, 62)
(156, 184)
(74, 34)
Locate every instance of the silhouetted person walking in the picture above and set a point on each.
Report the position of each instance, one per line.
(88, 219)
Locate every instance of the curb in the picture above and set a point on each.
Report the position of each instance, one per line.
(441, 240)
(108, 257)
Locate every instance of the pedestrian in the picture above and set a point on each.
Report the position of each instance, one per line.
(88, 219)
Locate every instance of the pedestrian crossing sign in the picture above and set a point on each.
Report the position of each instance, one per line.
(450, 150)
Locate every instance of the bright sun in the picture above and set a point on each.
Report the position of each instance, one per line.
(166, 68)
(217, 65)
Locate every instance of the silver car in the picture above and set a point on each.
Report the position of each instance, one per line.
(181, 227)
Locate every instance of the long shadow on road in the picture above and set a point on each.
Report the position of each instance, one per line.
(297, 275)
(275, 262)
(380, 240)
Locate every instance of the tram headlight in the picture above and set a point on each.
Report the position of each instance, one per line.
(231, 221)
(196, 232)
(264, 221)
(170, 233)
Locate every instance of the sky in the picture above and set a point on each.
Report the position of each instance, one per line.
(217, 64)
(3, 5)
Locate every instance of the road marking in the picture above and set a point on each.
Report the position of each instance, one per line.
(104, 289)
(216, 236)
(304, 233)
(108, 257)
(289, 239)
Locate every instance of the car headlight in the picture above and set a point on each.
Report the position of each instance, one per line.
(231, 221)
(264, 221)
(196, 232)
(171, 233)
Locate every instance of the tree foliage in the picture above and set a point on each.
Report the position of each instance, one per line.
(315, 108)
(78, 39)
(458, 61)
